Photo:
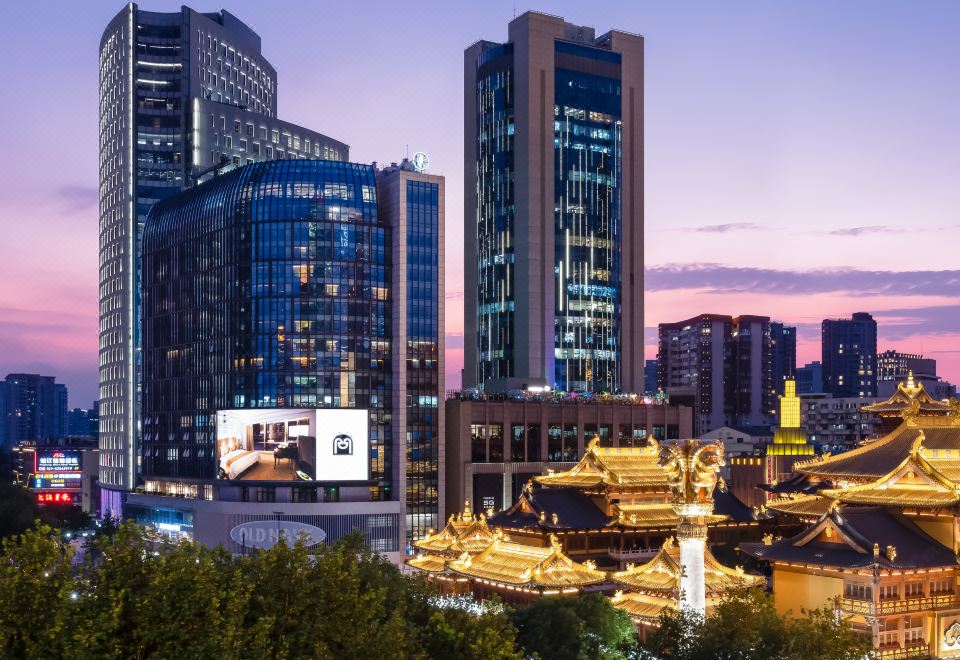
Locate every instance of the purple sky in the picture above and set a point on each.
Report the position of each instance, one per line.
(803, 159)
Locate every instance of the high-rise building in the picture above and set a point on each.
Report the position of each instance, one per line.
(810, 378)
(280, 310)
(783, 343)
(896, 366)
(410, 203)
(649, 376)
(553, 222)
(721, 366)
(35, 409)
(849, 355)
(181, 93)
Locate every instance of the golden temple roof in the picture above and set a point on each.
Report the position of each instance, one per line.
(516, 564)
(802, 505)
(429, 563)
(661, 575)
(916, 465)
(462, 533)
(910, 398)
(613, 467)
(643, 607)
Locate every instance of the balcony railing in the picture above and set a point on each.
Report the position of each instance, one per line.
(868, 607)
(912, 650)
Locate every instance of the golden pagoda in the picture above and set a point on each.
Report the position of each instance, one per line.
(907, 393)
(650, 588)
(463, 533)
(518, 571)
(883, 538)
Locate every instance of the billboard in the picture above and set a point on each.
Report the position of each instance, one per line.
(293, 444)
(57, 498)
(58, 460)
(58, 470)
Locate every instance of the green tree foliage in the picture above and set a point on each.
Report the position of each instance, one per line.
(746, 625)
(561, 628)
(133, 597)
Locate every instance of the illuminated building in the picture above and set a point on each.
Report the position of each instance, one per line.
(566, 529)
(883, 536)
(553, 233)
(411, 202)
(773, 463)
(721, 366)
(646, 590)
(849, 355)
(272, 303)
(496, 443)
(180, 94)
(783, 359)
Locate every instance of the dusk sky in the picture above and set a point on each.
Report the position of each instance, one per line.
(802, 159)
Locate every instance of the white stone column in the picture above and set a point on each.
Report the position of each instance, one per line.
(692, 590)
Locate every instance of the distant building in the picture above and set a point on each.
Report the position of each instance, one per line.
(82, 422)
(783, 350)
(896, 366)
(740, 440)
(553, 234)
(837, 423)
(496, 443)
(810, 378)
(849, 354)
(35, 409)
(650, 376)
(721, 366)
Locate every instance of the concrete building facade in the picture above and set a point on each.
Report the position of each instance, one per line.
(553, 223)
(495, 443)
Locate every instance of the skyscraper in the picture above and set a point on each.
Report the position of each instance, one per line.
(721, 366)
(849, 356)
(553, 223)
(410, 202)
(783, 343)
(180, 93)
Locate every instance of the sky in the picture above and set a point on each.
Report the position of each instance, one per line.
(802, 159)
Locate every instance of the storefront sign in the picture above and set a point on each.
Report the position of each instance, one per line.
(266, 533)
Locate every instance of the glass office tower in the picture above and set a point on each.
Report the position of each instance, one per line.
(180, 92)
(553, 227)
(265, 288)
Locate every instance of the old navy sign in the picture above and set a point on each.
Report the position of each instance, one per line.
(266, 533)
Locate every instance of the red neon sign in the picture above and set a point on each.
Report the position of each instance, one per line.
(55, 498)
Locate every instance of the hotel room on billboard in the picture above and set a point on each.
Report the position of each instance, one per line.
(290, 444)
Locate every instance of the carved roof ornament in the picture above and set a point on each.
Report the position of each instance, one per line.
(692, 468)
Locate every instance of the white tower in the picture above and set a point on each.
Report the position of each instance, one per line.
(693, 474)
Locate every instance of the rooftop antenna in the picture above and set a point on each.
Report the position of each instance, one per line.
(408, 152)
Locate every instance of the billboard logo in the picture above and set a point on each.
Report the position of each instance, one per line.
(343, 445)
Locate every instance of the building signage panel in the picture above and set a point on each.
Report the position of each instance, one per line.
(266, 533)
(59, 460)
(293, 444)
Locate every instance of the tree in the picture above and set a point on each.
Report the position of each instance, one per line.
(18, 511)
(134, 596)
(747, 625)
(562, 628)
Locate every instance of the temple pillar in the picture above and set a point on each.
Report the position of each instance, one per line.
(692, 539)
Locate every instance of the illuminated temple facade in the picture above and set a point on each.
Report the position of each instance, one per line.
(882, 532)
(608, 524)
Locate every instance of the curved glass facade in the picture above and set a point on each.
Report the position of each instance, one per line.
(265, 288)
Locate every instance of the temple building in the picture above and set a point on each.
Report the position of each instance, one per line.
(646, 590)
(883, 534)
(891, 411)
(615, 505)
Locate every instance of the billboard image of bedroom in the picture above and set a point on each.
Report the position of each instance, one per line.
(292, 444)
